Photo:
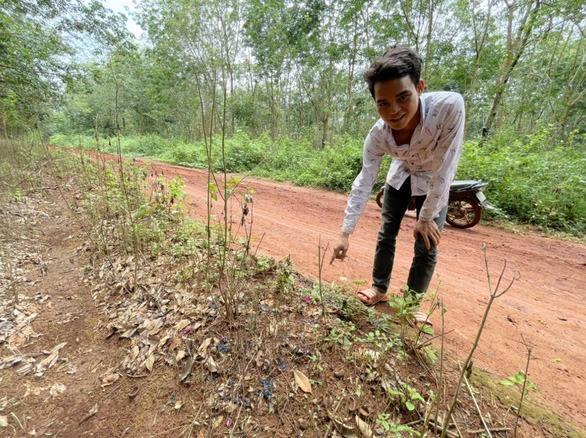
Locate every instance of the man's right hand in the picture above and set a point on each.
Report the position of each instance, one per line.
(341, 248)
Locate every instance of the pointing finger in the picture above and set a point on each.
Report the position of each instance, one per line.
(333, 257)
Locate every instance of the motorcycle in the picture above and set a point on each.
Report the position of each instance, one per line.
(465, 203)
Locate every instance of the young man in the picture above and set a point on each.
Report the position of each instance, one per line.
(423, 133)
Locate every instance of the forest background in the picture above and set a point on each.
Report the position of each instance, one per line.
(274, 88)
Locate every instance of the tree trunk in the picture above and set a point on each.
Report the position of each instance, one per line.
(325, 118)
(351, 67)
(410, 26)
(3, 128)
(274, 112)
(429, 40)
(516, 48)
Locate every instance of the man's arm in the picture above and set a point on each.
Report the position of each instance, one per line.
(359, 195)
(445, 163)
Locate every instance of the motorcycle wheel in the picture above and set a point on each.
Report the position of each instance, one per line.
(379, 197)
(463, 213)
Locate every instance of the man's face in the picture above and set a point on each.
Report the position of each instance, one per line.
(397, 102)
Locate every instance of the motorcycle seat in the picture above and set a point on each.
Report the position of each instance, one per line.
(466, 184)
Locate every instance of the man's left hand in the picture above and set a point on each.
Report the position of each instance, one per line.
(429, 232)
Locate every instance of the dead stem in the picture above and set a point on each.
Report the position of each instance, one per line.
(493, 295)
(529, 351)
(320, 259)
(486, 428)
(440, 382)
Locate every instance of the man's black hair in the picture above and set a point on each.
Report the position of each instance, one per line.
(395, 63)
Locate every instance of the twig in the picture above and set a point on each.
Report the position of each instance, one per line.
(133, 392)
(17, 419)
(320, 262)
(440, 427)
(112, 391)
(486, 428)
(493, 296)
(457, 428)
(529, 350)
(259, 242)
(168, 430)
(494, 429)
(441, 371)
(430, 340)
(138, 376)
(93, 412)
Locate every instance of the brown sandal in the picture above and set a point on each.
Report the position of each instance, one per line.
(421, 318)
(370, 297)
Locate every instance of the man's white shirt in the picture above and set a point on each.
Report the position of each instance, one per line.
(431, 158)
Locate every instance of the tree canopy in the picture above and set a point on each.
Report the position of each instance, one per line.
(283, 68)
(39, 41)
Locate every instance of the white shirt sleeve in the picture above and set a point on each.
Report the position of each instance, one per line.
(362, 185)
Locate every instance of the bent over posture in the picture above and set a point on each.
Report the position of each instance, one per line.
(423, 132)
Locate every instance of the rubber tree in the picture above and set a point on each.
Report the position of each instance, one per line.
(202, 39)
(299, 50)
(521, 20)
(316, 49)
(266, 34)
(551, 86)
(475, 55)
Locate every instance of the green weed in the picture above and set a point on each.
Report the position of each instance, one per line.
(532, 179)
(392, 429)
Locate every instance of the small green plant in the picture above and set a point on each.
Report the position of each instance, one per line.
(342, 334)
(315, 359)
(411, 397)
(518, 379)
(403, 394)
(285, 276)
(390, 428)
(382, 343)
(404, 307)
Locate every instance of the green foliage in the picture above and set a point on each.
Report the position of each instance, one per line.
(122, 204)
(342, 334)
(335, 167)
(37, 54)
(152, 146)
(393, 429)
(531, 178)
(405, 395)
(242, 154)
(518, 379)
(285, 158)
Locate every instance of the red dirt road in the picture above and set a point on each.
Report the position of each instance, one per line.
(546, 306)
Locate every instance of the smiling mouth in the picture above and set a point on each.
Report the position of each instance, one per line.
(397, 119)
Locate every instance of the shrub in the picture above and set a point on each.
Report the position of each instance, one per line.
(531, 179)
